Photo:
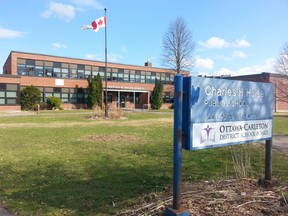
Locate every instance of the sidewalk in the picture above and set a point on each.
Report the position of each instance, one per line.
(4, 212)
(280, 143)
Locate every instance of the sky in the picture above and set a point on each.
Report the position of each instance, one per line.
(231, 37)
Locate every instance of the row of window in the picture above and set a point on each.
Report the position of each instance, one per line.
(9, 95)
(27, 67)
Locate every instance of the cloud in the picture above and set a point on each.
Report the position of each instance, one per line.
(218, 43)
(10, 34)
(214, 42)
(239, 54)
(204, 63)
(124, 49)
(241, 43)
(89, 3)
(267, 66)
(59, 10)
(58, 46)
(92, 57)
(112, 57)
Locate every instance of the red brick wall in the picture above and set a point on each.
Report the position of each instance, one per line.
(7, 66)
(10, 108)
(9, 79)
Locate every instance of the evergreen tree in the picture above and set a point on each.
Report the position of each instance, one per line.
(156, 95)
(95, 92)
(99, 90)
(30, 97)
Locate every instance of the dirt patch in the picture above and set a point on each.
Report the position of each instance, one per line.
(227, 197)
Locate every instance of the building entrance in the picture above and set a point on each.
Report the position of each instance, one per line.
(123, 100)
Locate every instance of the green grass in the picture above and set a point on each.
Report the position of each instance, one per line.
(62, 163)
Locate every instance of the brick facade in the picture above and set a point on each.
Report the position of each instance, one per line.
(122, 93)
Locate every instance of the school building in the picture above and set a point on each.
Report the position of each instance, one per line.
(280, 87)
(128, 86)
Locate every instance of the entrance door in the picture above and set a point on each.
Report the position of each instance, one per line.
(123, 101)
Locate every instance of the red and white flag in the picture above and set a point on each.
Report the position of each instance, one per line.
(96, 24)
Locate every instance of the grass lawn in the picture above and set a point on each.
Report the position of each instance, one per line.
(63, 163)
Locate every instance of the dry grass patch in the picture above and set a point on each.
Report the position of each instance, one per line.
(115, 138)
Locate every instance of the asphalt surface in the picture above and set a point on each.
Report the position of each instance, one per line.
(280, 143)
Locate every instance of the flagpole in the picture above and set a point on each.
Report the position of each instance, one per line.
(106, 93)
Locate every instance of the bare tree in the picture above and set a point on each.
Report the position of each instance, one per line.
(281, 67)
(178, 46)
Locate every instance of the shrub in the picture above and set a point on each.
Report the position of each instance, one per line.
(30, 97)
(54, 102)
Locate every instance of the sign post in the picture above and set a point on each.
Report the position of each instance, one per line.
(210, 112)
(177, 150)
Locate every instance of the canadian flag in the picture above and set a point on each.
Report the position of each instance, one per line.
(96, 24)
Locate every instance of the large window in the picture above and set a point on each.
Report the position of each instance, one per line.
(9, 94)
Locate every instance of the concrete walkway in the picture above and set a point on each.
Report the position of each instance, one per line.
(280, 143)
(4, 212)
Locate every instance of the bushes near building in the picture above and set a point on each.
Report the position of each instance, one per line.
(54, 102)
(30, 98)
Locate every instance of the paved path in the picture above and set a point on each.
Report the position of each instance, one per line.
(4, 212)
(280, 143)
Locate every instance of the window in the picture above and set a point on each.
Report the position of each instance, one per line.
(168, 97)
(57, 64)
(80, 74)
(131, 97)
(114, 76)
(137, 76)
(120, 75)
(11, 87)
(65, 73)
(48, 71)
(21, 69)
(73, 71)
(30, 66)
(143, 77)
(126, 78)
(163, 76)
(88, 71)
(80, 71)
(9, 94)
(38, 71)
(57, 72)
(132, 78)
(153, 77)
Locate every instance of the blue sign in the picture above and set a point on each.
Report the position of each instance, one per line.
(220, 112)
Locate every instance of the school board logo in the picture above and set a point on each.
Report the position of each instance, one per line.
(207, 135)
